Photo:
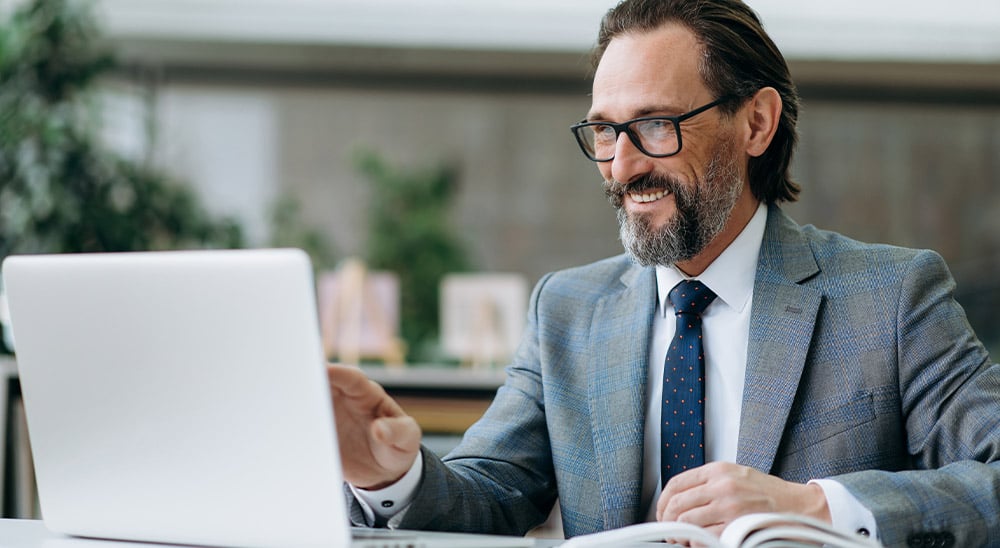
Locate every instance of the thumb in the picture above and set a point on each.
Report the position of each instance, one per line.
(397, 442)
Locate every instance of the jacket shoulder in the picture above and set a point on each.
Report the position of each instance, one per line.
(802, 251)
(836, 253)
(594, 279)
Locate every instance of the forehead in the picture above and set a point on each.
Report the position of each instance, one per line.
(649, 71)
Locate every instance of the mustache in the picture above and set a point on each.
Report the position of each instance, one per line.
(615, 190)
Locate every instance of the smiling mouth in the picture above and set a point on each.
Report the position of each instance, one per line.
(647, 197)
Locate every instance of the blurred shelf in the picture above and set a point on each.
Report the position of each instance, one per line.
(434, 377)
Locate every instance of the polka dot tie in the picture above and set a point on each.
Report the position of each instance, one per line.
(683, 409)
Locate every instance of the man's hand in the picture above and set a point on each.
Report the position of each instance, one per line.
(378, 441)
(715, 494)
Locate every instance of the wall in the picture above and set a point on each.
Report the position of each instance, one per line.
(894, 152)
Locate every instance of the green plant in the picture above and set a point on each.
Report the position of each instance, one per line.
(61, 189)
(409, 234)
(288, 230)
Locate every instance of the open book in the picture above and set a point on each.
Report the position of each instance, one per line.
(765, 530)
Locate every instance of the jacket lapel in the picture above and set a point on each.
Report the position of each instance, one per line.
(617, 372)
(781, 327)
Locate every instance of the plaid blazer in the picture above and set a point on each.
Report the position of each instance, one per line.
(861, 367)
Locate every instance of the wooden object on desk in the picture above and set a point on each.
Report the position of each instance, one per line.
(482, 316)
(359, 314)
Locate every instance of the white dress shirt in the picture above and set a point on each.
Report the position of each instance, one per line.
(726, 334)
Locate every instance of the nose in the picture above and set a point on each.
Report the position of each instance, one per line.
(629, 162)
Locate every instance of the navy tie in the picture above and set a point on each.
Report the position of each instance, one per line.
(683, 409)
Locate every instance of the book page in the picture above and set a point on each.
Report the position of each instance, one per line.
(789, 530)
(646, 533)
(763, 530)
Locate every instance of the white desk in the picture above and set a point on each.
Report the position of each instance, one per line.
(28, 533)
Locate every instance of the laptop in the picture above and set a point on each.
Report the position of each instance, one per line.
(181, 397)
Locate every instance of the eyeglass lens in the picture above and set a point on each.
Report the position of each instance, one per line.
(655, 136)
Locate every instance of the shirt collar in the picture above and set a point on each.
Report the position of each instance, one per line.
(731, 275)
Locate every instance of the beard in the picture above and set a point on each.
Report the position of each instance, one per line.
(702, 211)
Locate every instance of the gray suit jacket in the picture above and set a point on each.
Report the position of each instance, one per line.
(861, 367)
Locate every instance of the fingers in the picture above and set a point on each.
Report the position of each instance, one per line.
(349, 383)
(677, 488)
(693, 477)
(378, 441)
(346, 379)
(400, 433)
(397, 443)
(685, 506)
(712, 495)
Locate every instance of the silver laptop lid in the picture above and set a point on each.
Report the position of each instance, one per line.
(178, 397)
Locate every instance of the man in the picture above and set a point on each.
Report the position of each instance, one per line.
(841, 380)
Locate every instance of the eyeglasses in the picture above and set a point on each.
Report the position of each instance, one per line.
(654, 136)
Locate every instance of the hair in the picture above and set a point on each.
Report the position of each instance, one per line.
(739, 59)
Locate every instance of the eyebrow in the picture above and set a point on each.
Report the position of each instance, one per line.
(655, 110)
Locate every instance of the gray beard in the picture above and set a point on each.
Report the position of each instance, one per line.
(703, 208)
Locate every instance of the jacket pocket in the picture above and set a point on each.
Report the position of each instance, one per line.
(822, 420)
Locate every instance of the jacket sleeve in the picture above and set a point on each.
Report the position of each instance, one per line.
(500, 479)
(950, 394)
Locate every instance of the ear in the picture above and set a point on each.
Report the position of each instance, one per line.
(763, 113)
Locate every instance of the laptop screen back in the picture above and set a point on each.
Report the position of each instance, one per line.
(178, 397)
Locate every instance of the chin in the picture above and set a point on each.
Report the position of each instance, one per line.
(655, 220)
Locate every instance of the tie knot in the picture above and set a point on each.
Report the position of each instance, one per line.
(691, 297)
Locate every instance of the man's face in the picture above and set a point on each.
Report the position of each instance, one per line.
(701, 210)
(670, 208)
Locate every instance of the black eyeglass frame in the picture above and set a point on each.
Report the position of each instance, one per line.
(626, 127)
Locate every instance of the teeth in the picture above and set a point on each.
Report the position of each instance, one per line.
(645, 198)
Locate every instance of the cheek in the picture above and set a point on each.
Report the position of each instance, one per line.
(680, 169)
(605, 169)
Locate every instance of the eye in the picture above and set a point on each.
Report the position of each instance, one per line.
(603, 133)
(655, 129)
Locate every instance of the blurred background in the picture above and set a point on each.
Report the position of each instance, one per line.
(332, 124)
(426, 138)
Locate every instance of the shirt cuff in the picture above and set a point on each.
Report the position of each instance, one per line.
(846, 512)
(382, 504)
